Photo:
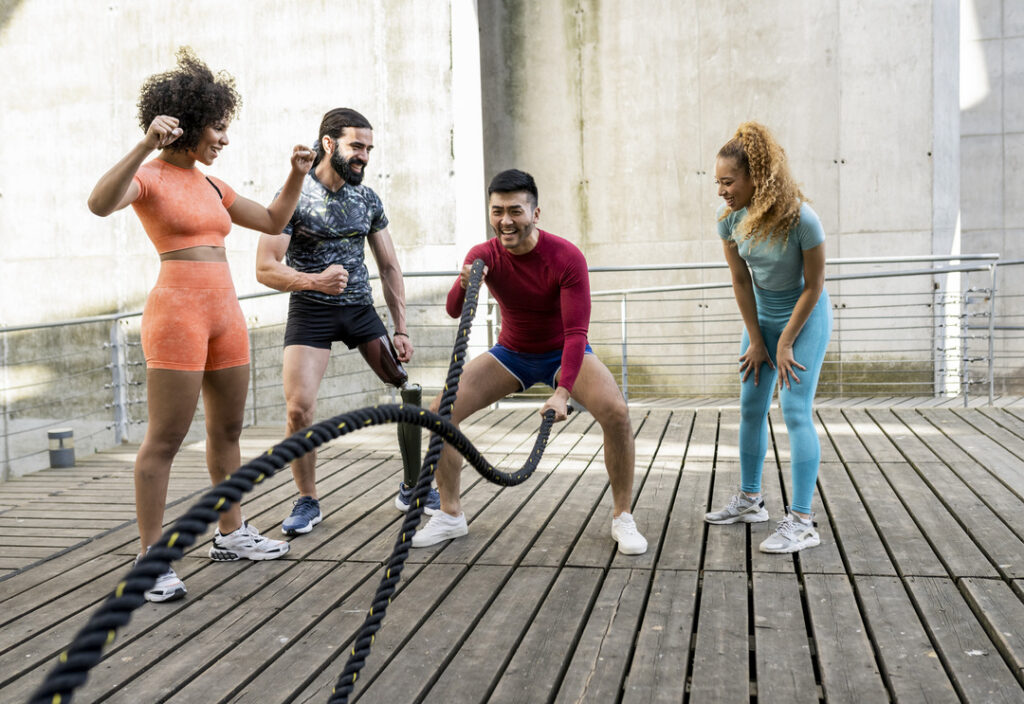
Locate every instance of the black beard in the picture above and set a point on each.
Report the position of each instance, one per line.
(341, 167)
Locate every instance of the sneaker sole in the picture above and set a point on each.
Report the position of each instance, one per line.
(302, 531)
(791, 548)
(404, 507)
(440, 539)
(632, 551)
(759, 517)
(178, 593)
(222, 555)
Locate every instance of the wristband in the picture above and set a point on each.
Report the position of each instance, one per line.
(403, 334)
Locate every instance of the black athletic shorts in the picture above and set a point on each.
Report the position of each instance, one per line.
(318, 324)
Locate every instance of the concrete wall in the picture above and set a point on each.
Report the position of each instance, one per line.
(992, 157)
(618, 109)
(71, 71)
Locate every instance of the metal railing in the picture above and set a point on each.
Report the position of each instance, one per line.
(903, 330)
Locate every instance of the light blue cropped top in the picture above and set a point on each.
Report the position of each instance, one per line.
(773, 267)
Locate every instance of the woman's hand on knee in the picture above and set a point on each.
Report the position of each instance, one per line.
(751, 360)
(787, 363)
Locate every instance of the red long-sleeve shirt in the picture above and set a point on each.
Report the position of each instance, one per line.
(543, 295)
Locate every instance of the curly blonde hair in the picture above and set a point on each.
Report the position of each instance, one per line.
(774, 209)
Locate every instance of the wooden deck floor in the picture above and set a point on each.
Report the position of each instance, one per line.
(915, 595)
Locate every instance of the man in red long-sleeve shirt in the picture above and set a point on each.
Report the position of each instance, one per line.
(542, 287)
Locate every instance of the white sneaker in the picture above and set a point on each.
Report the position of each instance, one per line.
(625, 533)
(246, 542)
(441, 526)
(168, 587)
(793, 534)
(740, 509)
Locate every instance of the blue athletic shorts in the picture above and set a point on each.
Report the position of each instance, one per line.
(529, 368)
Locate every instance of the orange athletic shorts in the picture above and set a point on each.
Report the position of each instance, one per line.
(192, 320)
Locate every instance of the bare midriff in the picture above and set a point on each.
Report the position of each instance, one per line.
(202, 253)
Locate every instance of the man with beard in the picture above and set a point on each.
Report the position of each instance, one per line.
(542, 287)
(320, 259)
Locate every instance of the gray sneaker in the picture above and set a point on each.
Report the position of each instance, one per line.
(792, 534)
(740, 509)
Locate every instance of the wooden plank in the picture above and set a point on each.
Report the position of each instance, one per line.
(159, 666)
(849, 674)
(721, 658)
(979, 674)
(684, 536)
(144, 621)
(992, 492)
(599, 663)
(534, 672)
(595, 546)
(1004, 419)
(322, 650)
(474, 670)
(776, 494)
(662, 467)
(879, 446)
(31, 659)
(911, 665)
(1001, 614)
(904, 542)
(414, 667)
(843, 437)
(1008, 467)
(982, 423)
(855, 536)
(953, 545)
(784, 671)
(658, 672)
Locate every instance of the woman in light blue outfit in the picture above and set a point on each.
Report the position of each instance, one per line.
(775, 248)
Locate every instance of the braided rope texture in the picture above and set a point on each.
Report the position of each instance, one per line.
(86, 649)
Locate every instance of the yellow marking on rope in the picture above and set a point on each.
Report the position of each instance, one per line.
(309, 434)
(260, 478)
(56, 699)
(368, 421)
(63, 656)
(388, 573)
(220, 502)
(354, 674)
(173, 540)
(110, 636)
(270, 451)
(119, 592)
(340, 426)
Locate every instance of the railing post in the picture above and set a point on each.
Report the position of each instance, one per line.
(625, 356)
(965, 340)
(119, 385)
(6, 473)
(991, 333)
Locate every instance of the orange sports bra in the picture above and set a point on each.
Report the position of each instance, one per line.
(181, 208)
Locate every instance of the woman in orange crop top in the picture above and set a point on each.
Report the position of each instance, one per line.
(193, 333)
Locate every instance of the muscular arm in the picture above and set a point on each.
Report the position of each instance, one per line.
(116, 189)
(390, 271)
(743, 290)
(271, 270)
(575, 304)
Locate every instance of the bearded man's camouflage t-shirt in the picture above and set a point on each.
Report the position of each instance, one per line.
(331, 228)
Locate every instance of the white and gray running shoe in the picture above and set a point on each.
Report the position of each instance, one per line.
(740, 509)
(168, 587)
(248, 543)
(792, 534)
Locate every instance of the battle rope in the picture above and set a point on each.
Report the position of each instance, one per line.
(86, 649)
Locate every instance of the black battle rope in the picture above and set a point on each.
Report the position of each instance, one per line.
(85, 651)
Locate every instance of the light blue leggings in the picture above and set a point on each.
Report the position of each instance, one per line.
(773, 311)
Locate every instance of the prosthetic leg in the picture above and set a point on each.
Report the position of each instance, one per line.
(381, 356)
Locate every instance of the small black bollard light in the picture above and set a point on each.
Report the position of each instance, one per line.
(62, 447)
